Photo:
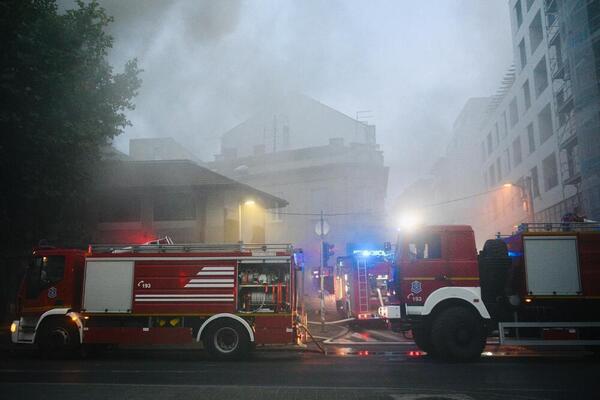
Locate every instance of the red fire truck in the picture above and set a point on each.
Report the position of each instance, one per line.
(361, 283)
(228, 297)
(539, 286)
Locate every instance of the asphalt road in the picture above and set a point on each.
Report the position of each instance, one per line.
(384, 372)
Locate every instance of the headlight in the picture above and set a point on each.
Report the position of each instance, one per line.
(13, 327)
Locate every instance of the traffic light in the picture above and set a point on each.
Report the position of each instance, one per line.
(327, 251)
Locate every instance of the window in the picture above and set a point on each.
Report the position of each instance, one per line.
(482, 151)
(174, 207)
(535, 32)
(573, 160)
(120, 208)
(497, 130)
(522, 54)
(492, 175)
(507, 159)
(425, 247)
(489, 143)
(517, 156)
(505, 126)
(513, 112)
(43, 272)
(526, 95)
(518, 14)
(52, 268)
(497, 137)
(540, 77)
(499, 169)
(535, 184)
(531, 138)
(529, 4)
(545, 123)
(550, 170)
(275, 214)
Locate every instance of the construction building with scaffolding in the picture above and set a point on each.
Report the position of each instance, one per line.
(539, 139)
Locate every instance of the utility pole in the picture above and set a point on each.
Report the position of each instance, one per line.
(322, 294)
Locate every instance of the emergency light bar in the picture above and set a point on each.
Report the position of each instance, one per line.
(369, 253)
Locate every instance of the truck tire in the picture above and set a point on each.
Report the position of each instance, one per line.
(58, 337)
(422, 336)
(457, 334)
(226, 339)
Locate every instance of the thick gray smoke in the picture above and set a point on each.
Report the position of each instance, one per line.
(209, 64)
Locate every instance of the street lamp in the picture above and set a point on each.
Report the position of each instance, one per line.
(526, 193)
(248, 202)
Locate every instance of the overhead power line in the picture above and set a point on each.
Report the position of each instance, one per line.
(461, 198)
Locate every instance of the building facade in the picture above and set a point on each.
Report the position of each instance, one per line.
(346, 182)
(573, 32)
(531, 152)
(538, 137)
(449, 193)
(291, 122)
(165, 148)
(138, 201)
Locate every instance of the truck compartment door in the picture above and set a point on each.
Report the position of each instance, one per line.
(108, 286)
(552, 266)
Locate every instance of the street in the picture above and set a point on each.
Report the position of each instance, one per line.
(361, 371)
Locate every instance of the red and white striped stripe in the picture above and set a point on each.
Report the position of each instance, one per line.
(213, 282)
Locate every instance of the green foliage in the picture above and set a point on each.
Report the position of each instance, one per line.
(61, 104)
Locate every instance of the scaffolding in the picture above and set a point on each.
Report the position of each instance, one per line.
(573, 33)
(563, 99)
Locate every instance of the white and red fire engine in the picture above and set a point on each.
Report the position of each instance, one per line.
(361, 283)
(228, 297)
(539, 286)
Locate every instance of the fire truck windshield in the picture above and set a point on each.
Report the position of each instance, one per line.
(44, 271)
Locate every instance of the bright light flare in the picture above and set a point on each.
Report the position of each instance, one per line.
(409, 221)
(13, 327)
(416, 353)
(249, 202)
(507, 185)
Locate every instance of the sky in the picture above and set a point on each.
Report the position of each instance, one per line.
(413, 64)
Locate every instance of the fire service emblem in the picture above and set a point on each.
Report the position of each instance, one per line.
(415, 287)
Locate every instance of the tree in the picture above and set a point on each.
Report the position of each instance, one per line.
(61, 104)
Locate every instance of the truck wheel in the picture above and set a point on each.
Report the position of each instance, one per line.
(422, 337)
(226, 340)
(58, 338)
(457, 334)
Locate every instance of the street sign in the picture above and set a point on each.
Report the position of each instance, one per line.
(325, 228)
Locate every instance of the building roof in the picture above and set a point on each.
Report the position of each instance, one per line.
(177, 173)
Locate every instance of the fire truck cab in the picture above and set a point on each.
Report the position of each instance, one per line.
(538, 286)
(227, 297)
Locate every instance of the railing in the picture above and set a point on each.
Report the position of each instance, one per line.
(559, 227)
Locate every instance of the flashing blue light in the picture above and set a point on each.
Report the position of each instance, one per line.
(369, 253)
(514, 254)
